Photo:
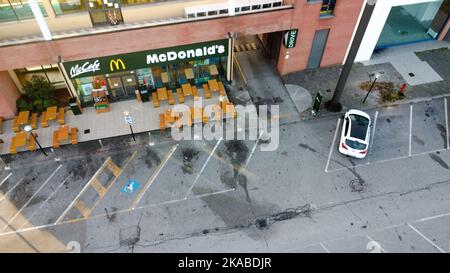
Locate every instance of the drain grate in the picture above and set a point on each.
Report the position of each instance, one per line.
(358, 185)
(411, 74)
(87, 131)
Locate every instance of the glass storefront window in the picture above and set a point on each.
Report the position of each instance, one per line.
(123, 85)
(50, 72)
(408, 23)
(67, 6)
(14, 10)
(138, 2)
(84, 87)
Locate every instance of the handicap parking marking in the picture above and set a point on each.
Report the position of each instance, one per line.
(429, 126)
(131, 187)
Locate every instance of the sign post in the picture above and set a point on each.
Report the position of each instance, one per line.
(129, 121)
(317, 102)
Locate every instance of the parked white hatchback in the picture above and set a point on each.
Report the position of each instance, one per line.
(355, 134)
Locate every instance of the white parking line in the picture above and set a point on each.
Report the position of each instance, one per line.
(203, 168)
(45, 201)
(253, 149)
(385, 160)
(410, 127)
(4, 179)
(10, 190)
(153, 177)
(31, 198)
(446, 122)
(426, 238)
(332, 144)
(323, 246)
(374, 128)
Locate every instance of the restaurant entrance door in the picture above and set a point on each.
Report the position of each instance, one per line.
(122, 86)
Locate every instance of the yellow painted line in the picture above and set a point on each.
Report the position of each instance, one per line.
(81, 206)
(113, 168)
(115, 179)
(60, 218)
(101, 190)
(153, 177)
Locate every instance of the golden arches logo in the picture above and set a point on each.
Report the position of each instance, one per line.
(116, 63)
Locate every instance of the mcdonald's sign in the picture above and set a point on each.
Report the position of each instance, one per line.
(116, 63)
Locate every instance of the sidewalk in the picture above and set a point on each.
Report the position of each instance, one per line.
(428, 63)
(92, 125)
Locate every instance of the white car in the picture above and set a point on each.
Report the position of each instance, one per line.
(355, 134)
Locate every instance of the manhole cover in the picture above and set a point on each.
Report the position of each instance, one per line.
(358, 185)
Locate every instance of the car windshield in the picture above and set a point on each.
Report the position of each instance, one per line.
(355, 144)
(359, 126)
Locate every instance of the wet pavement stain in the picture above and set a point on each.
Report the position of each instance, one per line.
(439, 160)
(111, 217)
(307, 147)
(288, 214)
(443, 132)
(237, 151)
(236, 212)
(418, 140)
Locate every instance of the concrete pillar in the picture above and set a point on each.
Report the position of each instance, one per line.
(9, 93)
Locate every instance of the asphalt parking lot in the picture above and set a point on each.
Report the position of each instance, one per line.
(406, 130)
(78, 188)
(214, 195)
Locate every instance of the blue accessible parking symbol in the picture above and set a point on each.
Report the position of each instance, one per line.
(131, 186)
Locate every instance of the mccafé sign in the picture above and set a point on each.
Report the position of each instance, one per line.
(143, 59)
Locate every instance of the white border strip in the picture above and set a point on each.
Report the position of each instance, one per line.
(6, 178)
(446, 122)
(410, 128)
(332, 144)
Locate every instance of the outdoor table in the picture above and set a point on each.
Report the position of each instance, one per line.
(165, 77)
(213, 70)
(168, 116)
(213, 85)
(187, 89)
(63, 132)
(196, 113)
(189, 73)
(23, 117)
(162, 93)
(21, 139)
(51, 112)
